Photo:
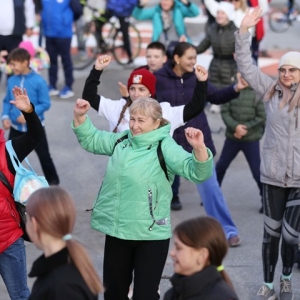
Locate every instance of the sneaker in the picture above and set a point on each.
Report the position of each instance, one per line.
(175, 203)
(286, 292)
(265, 293)
(52, 90)
(234, 241)
(66, 93)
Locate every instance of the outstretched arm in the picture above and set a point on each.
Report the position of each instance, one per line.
(90, 88)
(196, 106)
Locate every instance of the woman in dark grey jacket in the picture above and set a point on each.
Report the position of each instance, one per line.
(280, 160)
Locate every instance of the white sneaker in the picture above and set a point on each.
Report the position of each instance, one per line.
(52, 91)
(265, 293)
(66, 93)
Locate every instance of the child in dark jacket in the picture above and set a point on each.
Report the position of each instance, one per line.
(245, 119)
(37, 91)
(199, 248)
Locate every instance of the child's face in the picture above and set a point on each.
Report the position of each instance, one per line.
(187, 260)
(19, 67)
(155, 59)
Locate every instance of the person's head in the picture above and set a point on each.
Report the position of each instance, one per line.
(166, 5)
(239, 4)
(145, 116)
(141, 84)
(51, 218)
(184, 57)
(224, 13)
(156, 56)
(18, 60)
(289, 68)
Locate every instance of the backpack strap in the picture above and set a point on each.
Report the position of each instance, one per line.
(14, 159)
(161, 159)
(5, 182)
(124, 137)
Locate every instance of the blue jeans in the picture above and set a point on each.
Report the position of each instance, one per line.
(215, 204)
(13, 270)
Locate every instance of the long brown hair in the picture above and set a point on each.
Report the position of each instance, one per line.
(205, 232)
(55, 213)
(289, 96)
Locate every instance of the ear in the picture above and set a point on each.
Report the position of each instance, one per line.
(165, 58)
(176, 59)
(203, 257)
(34, 224)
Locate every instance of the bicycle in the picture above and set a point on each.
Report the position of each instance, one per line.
(87, 41)
(281, 19)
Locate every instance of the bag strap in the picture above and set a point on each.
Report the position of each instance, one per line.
(5, 182)
(162, 159)
(14, 159)
(160, 155)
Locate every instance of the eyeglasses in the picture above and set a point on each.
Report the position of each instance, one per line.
(291, 71)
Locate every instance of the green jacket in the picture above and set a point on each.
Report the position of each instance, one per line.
(246, 110)
(134, 200)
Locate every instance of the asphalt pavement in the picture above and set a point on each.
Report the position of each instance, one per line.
(81, 174)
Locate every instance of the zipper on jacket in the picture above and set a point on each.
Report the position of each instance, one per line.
(296, 117)
(150, 199)
(12, 213)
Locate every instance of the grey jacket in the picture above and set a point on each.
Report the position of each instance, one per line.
(280, 161)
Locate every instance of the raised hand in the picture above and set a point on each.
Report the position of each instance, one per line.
(102, 62)
(81, 107)
(250, 19)
(241, 82)
(183, 38)
(201, 73)
(196, 139)
(123, 90)
(21, 101)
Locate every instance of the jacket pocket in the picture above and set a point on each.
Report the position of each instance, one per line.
(296, 163)
(269, 161)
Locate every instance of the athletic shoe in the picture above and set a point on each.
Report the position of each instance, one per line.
(265, 293)
(286, 292)
(234, 241)
(52, 90)
(66, 93)
(175, 203)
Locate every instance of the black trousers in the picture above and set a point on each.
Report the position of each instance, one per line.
(281, 219)
(122, 258)
(42, 151)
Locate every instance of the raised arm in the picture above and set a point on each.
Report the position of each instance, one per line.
(90, 88)
(24, 144)
(196, 106)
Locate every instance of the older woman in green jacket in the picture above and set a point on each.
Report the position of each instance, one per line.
(133, 205)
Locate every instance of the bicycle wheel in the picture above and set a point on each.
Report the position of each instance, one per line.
(118, 49)
(85, 46)
(279, 21)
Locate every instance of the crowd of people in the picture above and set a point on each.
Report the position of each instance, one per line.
(158, 132)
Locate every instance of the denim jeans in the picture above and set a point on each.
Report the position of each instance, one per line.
(13, 270)
(215, 204)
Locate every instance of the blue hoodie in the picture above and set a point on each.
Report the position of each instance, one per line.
(37, 91)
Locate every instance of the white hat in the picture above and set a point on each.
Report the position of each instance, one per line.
(291, 58)
(227, 8)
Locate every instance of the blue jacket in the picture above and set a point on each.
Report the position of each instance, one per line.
(180, 11)
(37, 91)
(58, 16)
(179, 91)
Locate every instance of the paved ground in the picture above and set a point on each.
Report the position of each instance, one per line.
(81, 173)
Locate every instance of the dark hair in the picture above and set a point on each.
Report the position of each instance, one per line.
(158, 46)
(55, 213)
(205, 232)
(19, 54)
(181, 47)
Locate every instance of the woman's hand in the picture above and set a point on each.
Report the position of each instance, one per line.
(196, 139)
(201, 73)
(102, 62)
(123, 90)
(250, 19)
(21, 101)
(80, 110)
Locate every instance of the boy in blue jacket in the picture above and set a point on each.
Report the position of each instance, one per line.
(37, 90)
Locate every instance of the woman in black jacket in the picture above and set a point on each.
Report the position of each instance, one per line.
(199, 248)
